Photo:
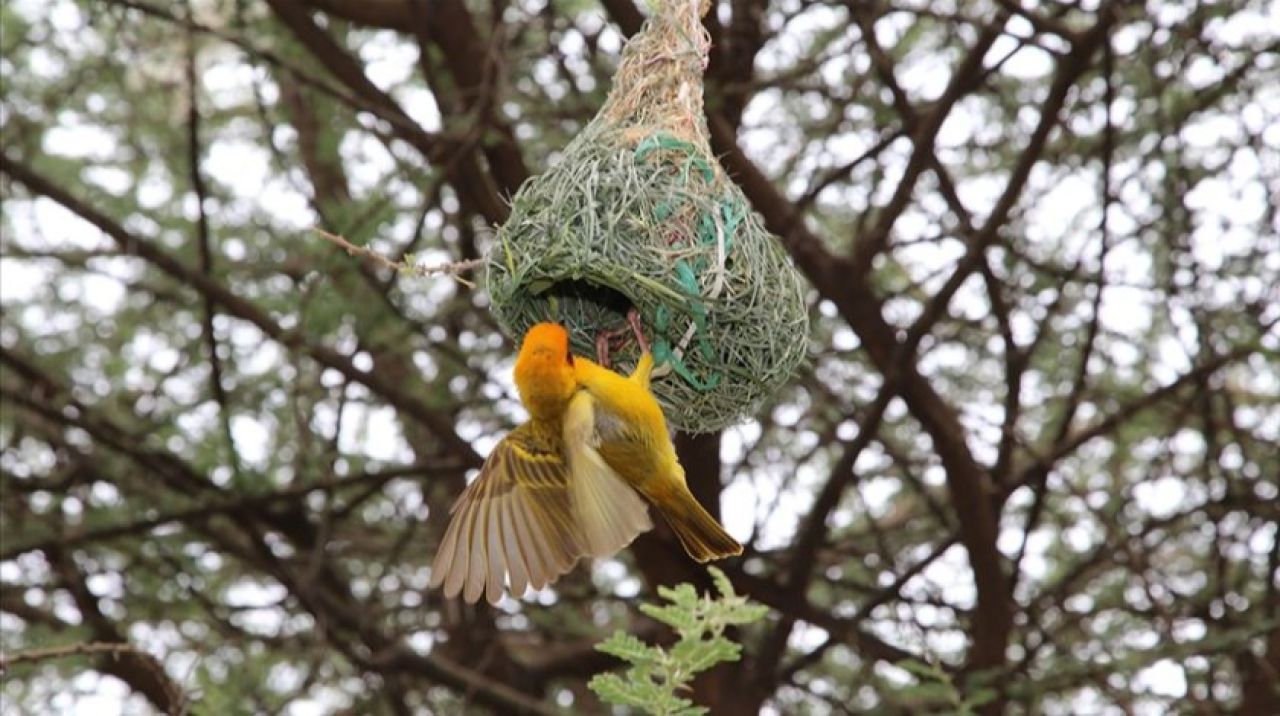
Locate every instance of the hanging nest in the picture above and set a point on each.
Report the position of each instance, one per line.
(638, 213)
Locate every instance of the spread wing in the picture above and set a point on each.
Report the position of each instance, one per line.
(610, 513)
(517, 518)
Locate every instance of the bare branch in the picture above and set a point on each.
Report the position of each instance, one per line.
(452, 269)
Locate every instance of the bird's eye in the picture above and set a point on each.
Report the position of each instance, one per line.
(569, 357)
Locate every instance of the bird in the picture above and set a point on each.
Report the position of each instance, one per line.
(568, 482)
(620, 426)
(530, 515)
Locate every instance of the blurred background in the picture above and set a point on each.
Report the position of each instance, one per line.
(1034, 446)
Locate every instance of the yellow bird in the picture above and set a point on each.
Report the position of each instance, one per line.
(560, 486)
(615, 423)
(529, 515)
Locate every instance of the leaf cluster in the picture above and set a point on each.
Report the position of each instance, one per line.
(936, 692)
(656, 676)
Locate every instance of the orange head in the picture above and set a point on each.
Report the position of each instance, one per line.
(544, 370)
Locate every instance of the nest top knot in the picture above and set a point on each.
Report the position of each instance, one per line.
(658, 85)
(638, 214)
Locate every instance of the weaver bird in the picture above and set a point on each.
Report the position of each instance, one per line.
(619, 426)
(567, 483)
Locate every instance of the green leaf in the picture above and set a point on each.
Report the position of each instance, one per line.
(929, 692)
(611, 688)
(723, 585)
(746, 614)
(628, 648)
(981, 697)
(683, 595)
(929, 672)
(677, 617)
(657, 676)
(701, 655)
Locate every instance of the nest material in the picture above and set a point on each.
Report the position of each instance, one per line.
(638, 213)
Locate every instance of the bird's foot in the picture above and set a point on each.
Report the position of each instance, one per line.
(602, 347)
(608, 341)
(633, 318)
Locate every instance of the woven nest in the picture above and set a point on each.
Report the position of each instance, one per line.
(639, 214)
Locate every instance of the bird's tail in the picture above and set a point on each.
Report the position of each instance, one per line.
(702, 537)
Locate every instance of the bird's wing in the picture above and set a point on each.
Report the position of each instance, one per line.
(610, 513)
(518, 517)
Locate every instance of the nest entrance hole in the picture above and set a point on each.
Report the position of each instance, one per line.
(585, 308)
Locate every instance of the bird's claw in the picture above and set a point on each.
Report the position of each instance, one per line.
(605, 338)
(602, 348)
(633, 318)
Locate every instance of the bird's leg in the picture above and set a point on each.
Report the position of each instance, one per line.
(602, 348)
(633, 318)
(605, 338)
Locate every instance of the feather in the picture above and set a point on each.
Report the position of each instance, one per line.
(478, 560)
(497, 556)
(610, 514)
(444, 555)
(514, 522)
(534, 559)
(517, 570)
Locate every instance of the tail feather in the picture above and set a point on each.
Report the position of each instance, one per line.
(702, 537)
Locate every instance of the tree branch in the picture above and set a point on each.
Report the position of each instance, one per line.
(441, 425)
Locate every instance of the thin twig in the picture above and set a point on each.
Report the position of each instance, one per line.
(452, 269)
(58, 652)
(205, 243)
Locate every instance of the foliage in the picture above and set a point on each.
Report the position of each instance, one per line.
(637, 214)
(657, 676)
(1034, 438)
(935, 691)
